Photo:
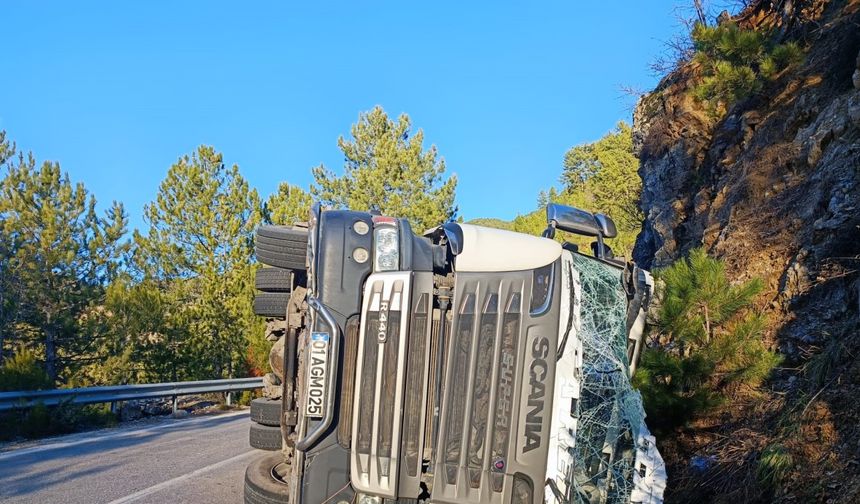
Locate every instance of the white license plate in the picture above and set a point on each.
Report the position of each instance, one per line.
(317, 374)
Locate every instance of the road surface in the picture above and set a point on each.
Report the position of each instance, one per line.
(190, 460)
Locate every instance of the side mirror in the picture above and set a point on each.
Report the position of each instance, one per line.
(607, 225)
(573, 220)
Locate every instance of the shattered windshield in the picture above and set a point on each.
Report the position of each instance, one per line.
(603, 451)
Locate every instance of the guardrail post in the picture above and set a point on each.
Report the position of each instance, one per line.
(229, 398)
(175, 404)
(113, 407)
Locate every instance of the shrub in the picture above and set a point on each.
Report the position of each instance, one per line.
(713, 342)
(727, 83)
(735, 62)
(41, 420)
(23, 372)
(774, 465)
(246, 396)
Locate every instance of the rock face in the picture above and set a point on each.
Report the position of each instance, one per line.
(774, 189)
(774, 186)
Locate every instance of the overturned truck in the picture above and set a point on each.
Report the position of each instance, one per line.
(466, 365)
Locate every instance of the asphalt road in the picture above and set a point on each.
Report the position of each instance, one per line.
(189, 460)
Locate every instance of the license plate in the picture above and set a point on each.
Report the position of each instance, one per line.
(317, 374)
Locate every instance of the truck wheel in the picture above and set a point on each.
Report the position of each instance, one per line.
(265, 437)
(273, 280)
(266, 411)
(282, 246)
(282, 257)
(271, 304)
(265, 480)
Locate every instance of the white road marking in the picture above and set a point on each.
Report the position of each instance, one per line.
(129, 433)
(179, 479)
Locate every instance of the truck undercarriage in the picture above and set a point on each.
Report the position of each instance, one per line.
(465, 365)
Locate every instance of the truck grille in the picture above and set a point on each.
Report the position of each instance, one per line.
(494, 422)
(478, 402)
(391, 378)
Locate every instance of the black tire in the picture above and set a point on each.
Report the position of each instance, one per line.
(284, 233)
(287, 258)
(282, 246)
(266, 411)
(271, 304)
(273, 280)
(265, 437)
(260, 485)
(269, 242)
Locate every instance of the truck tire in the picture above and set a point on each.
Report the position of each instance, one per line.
(273, 280)
(284, 233)
(261, 486)
(266, 411)
(282, 257)
(282, 246)
(265, 437)
(271, 304)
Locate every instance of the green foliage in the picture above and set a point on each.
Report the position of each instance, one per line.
(290, 204)
(118, 367)
(386, 168)
(698, 298)
(616, 185)
(40, 420)
(23, 372)
(601, 177)
(823, 364)
(198, 254)
(246, 396)
(735, 63)
(181, 307)
(57, 256)
(774, 465)
(674, 387)
(726, 84)
(492, 223)
(713, 342)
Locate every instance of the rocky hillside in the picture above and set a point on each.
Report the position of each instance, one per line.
(772, 185)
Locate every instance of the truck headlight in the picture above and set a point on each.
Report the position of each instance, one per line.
(386, 249)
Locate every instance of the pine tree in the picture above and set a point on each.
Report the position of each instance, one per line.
(288, 205)
(600, 176)
(387, 169)
(711, 342)
(7, 277)
(58, 253)
(607, 169)
(198, 250)
(137, 333)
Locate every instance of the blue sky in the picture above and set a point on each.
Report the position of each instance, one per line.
(116, 91)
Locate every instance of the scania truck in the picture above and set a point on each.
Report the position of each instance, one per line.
(461, 365)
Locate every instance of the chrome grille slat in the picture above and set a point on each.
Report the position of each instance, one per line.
(376, 423)
(481, 388)
(416, 386)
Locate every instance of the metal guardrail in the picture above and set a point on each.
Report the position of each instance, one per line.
(116, 393)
